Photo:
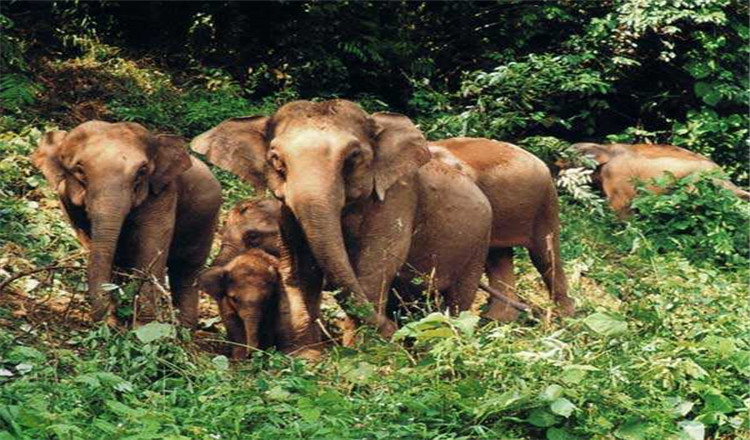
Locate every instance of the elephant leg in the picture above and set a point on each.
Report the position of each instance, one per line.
(185, 295)
(502, 279)
(300, 292)
(461, 294)
(187, 257)
(384, 243)
(545, 255)
(149, 235)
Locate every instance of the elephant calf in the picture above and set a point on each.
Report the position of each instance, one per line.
(524, 213)
(247, 291)
(250, 224)
(621, 164)
(137, 201)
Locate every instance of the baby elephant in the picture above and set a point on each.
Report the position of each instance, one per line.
(247, 290)
(250, 224)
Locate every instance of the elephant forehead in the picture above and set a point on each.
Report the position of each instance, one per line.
(316, 138)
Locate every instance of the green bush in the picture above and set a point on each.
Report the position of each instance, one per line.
(696, 217)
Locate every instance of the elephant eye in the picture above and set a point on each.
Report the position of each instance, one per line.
(277, 164)
(79, 173)
(351, 160)
(142, 171)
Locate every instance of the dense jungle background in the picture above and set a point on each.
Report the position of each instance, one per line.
(659, 348)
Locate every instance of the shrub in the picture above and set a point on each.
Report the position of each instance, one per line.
(705, 222)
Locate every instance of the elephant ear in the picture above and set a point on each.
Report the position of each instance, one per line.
(237, 145)
(171, 159)
(400, 149)
(46, 157)
(214, 282)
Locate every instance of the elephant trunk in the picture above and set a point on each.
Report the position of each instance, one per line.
(227, 252)
(107, 214)
(320, 220)
(252, 323)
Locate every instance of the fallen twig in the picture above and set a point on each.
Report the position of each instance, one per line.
(500, 297)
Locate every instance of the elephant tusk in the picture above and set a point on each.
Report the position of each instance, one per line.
(499, 296)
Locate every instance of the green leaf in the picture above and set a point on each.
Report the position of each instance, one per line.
(551, 393)
(606, 323)
(712, 98)
(633, 429)
(717, 403)
(702, 88)
(278, 393)
(466, 322)
(559, 434)
(361, 373)
(154, 331)
(220, 362)
(562, 406)
(541, 418)
(692, 430)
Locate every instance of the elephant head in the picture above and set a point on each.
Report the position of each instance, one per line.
(246, 290)
(601, 153)
(250, 224)
(318, 158)
(102, 171)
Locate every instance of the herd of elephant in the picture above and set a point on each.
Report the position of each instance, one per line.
(363, 205)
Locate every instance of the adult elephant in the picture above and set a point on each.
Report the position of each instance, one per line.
(362, 202)
(525, 213)
(137, 201)
(620, 165)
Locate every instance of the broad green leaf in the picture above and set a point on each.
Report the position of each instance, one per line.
(551, 393)
(702, 88)
(717, 403)
(541, 418)
(154, 331)
(361, 373)
(220, 362)
(692, 430)
(559, 434)
(562, 406)
(634, 429)
(278, 393)
(309, 414)
(712, 98)
(466, 322)
(606, 323)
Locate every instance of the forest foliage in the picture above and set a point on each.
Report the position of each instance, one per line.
(660, 346)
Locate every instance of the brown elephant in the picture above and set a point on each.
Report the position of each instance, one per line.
(137, 201)
(362, 204)
(250, 224)
(247, 291)
(622, 164)
(525, 213)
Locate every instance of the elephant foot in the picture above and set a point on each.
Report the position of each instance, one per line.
(348, 328)
(239, 353)
(501, 312)
(309, 354)
(566, 306)
(386, 328)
